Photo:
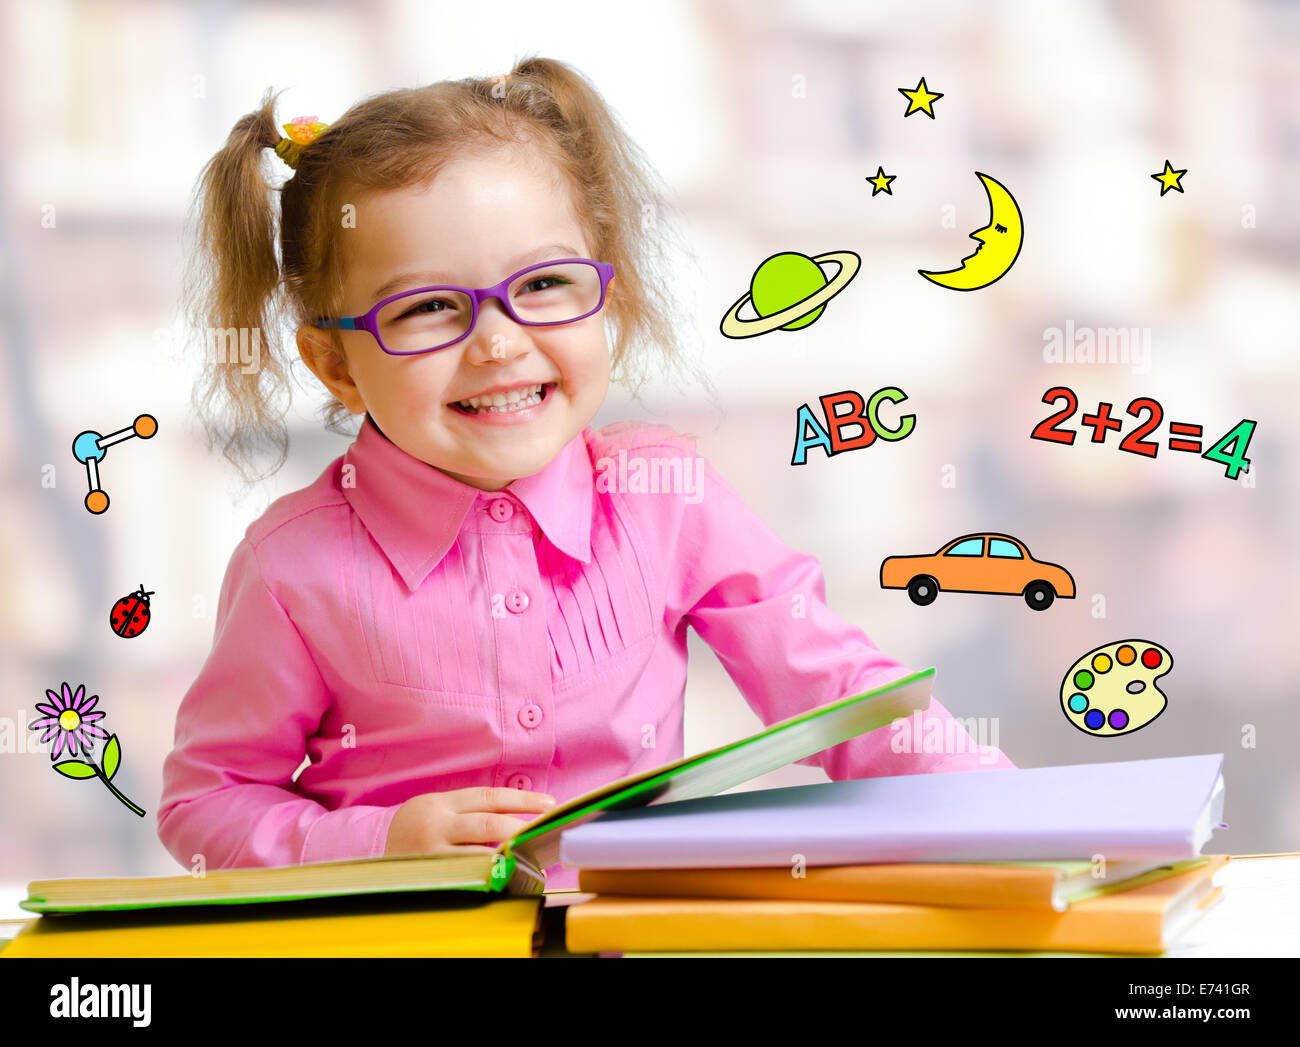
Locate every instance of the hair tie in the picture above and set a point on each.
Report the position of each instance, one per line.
(302, 131)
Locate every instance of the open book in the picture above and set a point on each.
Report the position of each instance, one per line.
(516, 865)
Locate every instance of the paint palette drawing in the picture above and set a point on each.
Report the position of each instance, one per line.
(1111, 690)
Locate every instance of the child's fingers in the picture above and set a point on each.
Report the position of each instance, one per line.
(488, 798)
(482, 828)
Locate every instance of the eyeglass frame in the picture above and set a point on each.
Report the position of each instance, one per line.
(477, 296)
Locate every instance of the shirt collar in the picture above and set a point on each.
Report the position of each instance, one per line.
(414, 512)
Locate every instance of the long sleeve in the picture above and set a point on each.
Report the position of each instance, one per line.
(241, 732)
(762, 607)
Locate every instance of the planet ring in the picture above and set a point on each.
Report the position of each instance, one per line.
(734, 327)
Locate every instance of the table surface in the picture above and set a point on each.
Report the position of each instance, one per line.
(1258, 916)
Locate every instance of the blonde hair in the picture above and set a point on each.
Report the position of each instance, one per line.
(396, 140)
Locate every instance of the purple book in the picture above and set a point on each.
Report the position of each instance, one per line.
(1136, 809)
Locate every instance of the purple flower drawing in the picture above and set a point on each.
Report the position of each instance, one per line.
(69, 720)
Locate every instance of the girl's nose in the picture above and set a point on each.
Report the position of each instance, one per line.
(496, 337)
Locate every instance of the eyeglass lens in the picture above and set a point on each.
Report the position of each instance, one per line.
(429, 320)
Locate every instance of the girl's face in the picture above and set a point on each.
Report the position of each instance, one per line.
(485, 216)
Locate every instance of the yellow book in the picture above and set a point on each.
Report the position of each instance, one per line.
(488, 926)
(1144, 920)
(1003, 885)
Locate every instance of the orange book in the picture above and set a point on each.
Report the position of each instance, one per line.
(1000, 885)
(1144, 920)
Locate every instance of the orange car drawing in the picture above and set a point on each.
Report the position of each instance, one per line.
(979, 563)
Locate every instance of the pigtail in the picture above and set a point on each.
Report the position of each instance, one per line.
(232, 297)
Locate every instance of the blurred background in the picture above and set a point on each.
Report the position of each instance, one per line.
(765, 119)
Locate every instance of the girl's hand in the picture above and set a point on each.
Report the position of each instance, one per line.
(466, 820)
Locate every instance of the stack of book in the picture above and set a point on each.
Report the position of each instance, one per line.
(1098, 858)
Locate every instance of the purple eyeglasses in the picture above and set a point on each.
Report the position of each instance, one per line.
(432, 318)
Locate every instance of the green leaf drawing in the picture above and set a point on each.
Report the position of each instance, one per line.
(112, 757)
(75, 769)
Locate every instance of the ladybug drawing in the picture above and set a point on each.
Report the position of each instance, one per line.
(130, 615)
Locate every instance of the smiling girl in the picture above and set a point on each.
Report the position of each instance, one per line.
(458, 624)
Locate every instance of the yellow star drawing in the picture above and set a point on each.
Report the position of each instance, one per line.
(1168, 179)
(921, 100)
(880, 183)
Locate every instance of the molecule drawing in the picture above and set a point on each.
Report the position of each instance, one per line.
(90, 448)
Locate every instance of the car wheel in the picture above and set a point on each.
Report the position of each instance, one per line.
(923, 589)
(1039, 595)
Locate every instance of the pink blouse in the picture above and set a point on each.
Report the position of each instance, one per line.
(408, 633)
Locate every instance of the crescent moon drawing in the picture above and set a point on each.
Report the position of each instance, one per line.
(999, 244)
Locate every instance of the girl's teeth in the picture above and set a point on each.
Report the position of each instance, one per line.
(500, 403)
